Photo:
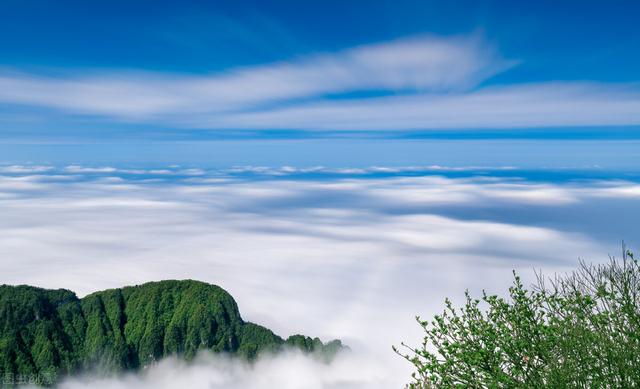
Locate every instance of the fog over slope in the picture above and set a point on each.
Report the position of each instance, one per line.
(286, 371)
(353, 255)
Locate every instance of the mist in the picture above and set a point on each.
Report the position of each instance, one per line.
(288, 370)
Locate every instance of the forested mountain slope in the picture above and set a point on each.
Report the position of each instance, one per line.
(53, 332)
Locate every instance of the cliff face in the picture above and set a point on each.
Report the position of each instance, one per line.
(53, 332)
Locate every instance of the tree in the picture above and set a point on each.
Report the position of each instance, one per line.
(574, 331)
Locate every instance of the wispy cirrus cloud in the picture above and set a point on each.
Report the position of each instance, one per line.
(418, 83)
(507, 107)
(416, 64)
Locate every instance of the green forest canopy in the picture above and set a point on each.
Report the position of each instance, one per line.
(48, 333)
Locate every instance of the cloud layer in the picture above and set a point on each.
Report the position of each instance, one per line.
(285, 371)
(353, 257)
(417, 83)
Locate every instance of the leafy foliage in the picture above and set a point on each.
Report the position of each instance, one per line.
(54, 332)
(575, 331)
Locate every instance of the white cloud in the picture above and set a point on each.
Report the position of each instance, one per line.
(354, 259)
(25, 169)
(337, 258)
(83, 169)
(286, 371)
(507, 107)
(623, 189)
(432, 83)
(418, 64)
(288, 170)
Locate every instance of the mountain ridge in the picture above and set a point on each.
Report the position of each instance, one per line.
(53, 332)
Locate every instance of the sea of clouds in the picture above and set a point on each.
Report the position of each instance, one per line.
(291, 370)
(351, 254)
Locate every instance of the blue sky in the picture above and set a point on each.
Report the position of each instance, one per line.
(138, 80)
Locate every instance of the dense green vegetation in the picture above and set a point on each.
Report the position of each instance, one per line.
(53, 333)
(576, 331)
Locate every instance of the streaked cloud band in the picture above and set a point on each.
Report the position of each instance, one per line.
(418, 83)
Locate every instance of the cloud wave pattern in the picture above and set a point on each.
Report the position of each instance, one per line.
(348, 257)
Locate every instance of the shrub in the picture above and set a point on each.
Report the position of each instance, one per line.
(573, 331)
